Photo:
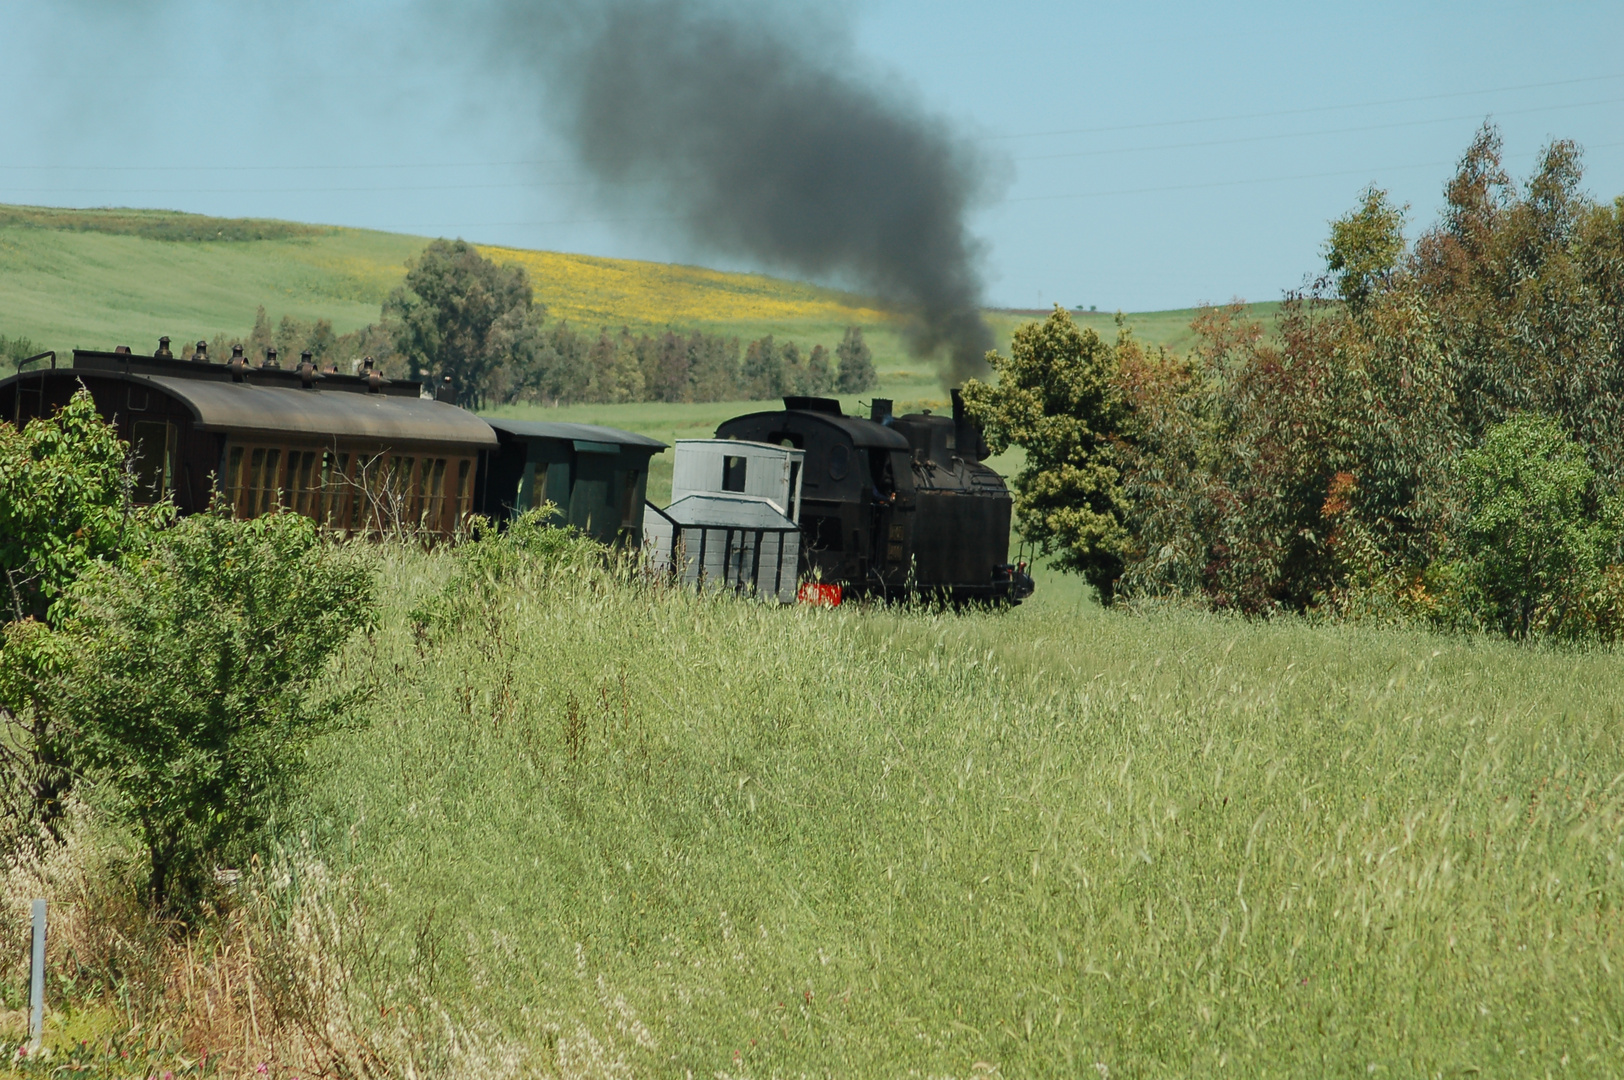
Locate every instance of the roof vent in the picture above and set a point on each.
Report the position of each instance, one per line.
(372, 375)
(238, 364)
(122, 350)
(445, 391)
(813, 404)
(163, 352)
(270, 360)
(201, 356)
(307, 370)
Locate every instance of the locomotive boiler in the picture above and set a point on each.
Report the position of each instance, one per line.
(895, 505)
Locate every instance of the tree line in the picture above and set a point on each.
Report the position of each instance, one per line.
(1435, 430)
(461, 315)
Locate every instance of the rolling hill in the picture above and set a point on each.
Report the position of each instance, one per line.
(96, 278)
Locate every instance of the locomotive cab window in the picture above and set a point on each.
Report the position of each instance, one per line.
(839, 461)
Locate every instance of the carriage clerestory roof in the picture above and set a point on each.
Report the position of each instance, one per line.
(219, 404)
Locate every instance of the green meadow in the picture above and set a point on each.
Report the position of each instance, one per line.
(596, 828)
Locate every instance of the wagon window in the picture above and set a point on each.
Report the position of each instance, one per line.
(250, 481)
(362, 489)
(152, 459)
(268, 493)
(304, 482)
(232, 480)
(335, 483)
(733, 470)
(629, 505)
(434, 491)
(462, 487)
(532, 487)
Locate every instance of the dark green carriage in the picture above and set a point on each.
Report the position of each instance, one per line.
(596, 476)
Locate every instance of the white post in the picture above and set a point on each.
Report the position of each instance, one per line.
(36, 982)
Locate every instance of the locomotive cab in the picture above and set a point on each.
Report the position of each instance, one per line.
(895, 504)
(857, 496)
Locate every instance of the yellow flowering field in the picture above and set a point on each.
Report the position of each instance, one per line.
(589, 290)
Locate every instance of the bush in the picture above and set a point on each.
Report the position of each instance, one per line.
(1310, 468)
(1538, 538)
(64, 505)
(186, 682)
(1057, 397)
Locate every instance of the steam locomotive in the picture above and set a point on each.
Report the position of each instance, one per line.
(895, 505)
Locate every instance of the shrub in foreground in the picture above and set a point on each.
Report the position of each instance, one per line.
(187, 679)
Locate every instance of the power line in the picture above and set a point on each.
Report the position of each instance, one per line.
(986, 138)
(1307, 134)
(1258, 180)
(1302, 111)
(536, 184)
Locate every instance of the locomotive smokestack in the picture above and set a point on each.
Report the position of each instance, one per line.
(966, 432)
(879, 410)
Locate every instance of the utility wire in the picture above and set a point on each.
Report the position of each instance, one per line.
(535, 184)
(1308, 134)
(1020, 135)
(1260, 180)
(1302, 111)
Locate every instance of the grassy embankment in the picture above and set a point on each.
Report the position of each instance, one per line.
(598, 825)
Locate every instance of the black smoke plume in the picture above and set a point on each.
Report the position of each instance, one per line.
(759, 142)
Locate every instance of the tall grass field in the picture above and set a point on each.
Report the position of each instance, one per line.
(598, 828)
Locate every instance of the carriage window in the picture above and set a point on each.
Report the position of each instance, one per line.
(629, 506)
(251, 482)
(152, 456)
(232, 480)
(363, 489)
(462, 486)
(410, 486)
(335, 485)
(733, 470)
(302, 479)
(434, 491)
(268, 494)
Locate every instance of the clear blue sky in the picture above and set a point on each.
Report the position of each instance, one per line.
(1157, 155)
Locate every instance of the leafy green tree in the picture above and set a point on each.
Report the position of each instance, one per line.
(64, 508)
(856, 363)
(64, 505)
(457, 314)
(762, 371)
(13, 350)
(665, 376)
(713, 368)
(1537, 535)
(1365, 247)
(188, 680)
(1057, 398)
(819, 378)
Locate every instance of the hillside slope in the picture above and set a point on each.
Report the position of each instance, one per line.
(98, 278)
